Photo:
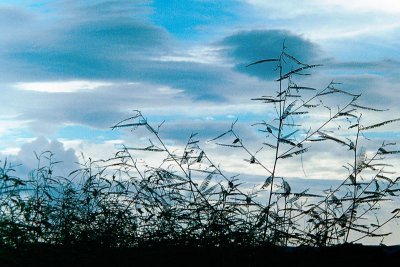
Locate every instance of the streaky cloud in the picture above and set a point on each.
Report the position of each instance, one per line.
(61, 87)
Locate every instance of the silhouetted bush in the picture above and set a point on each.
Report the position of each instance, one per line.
(187, 200)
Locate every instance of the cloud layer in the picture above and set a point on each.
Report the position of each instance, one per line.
(87, 65)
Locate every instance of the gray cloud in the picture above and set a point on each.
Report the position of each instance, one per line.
(377, 81)
(28, 160)
(85, 41)
(121, 44)
(247, 47)
(383, 67)
(100, 108)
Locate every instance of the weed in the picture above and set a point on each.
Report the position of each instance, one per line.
(187, 199)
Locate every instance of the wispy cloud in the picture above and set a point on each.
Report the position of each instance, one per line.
(60, 87)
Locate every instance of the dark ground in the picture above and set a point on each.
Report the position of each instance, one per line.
(343, 255)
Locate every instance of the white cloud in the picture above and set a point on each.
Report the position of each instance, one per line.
(7, 125)
(384, 6)
(95, 150)
(61, 86)
(28, 160)
(291, 7)
(10, 151)
(197, 54)
(322, 20)
(166, 90)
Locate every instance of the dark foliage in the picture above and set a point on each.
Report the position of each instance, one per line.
(187, 200)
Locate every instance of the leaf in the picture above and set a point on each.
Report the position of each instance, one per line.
(287, 75)
(149, 148)
(298, 152)
(326, 136)
(376, 186)
(289, 135)
(206, 182)
(351, 145)
(384, 178)
(367, 108)
(310, 106)
(344, 92)
(345, 114)
(211, 189)
(302, 88)
(268, 99)
(361, 157)
(267, 182)
(286, 188)
(219, 136)
(283, 92)
(317, 140)
(299, 113)
(229, 145)
(193, 142)
(293, 58)
(378, 124)
(305, 194)
(294, 199)
(288, 109)
(390, 192)
(352, 126)
(263, 61)
(352, 179)
(396, 211)
(271, 127)
(286, 141)
(271, 146)
(335, 200)
(383, 151)
(200, 157)
(129, 125)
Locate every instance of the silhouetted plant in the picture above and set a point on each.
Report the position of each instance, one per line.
(328, 222)
(186, 198)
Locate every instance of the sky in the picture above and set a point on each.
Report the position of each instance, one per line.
(69, 70)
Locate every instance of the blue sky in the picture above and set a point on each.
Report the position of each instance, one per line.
(71, 69)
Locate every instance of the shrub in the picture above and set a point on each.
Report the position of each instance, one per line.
(188, 199)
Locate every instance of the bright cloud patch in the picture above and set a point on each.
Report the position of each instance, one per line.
(197, 54)
(168, 90)
(61, 87)
(384, 6)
